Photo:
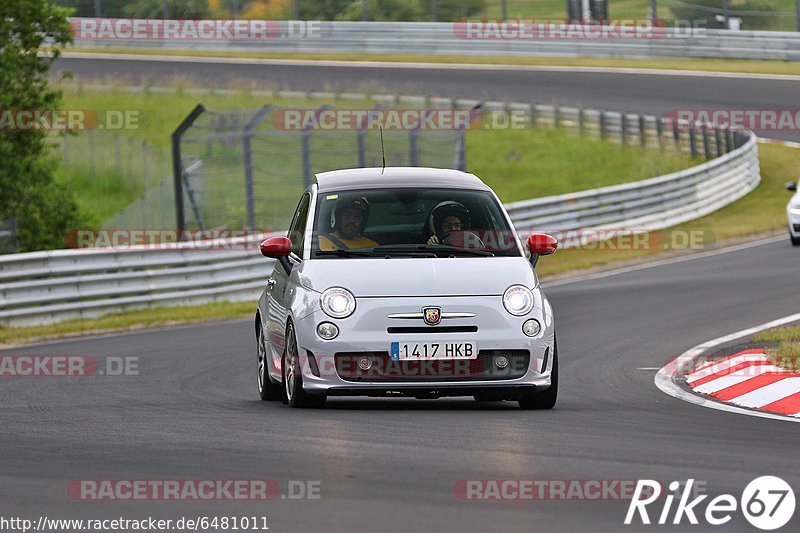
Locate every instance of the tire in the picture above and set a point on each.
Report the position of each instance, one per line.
(545, 399)
(267, 390)
(795, 240)
(292, 376)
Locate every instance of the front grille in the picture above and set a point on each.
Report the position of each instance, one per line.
(384, 369)
(796, 227)
(432, 329)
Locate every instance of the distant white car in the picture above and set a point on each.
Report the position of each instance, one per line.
(405, 281)
(793, 212)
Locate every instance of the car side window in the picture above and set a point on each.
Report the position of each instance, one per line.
(298, 228)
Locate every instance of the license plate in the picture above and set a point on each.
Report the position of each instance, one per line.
(423, 350)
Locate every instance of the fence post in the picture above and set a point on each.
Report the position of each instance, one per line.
(693, 139)
(623, 130)
(413, 148)
(146, 164)
(533, 115)
(65, 136)
(642, 130)
(729, 144)
(602, 124)
(460, 160)
(556, 116)
(676, 134)
(718, 140)
(177, 164)
(117, 156)
(581, 119)
(247, 149)
(660, 132)
(706, 147)
(91, 154)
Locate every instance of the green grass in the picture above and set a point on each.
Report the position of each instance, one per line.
(761, 211)
(708, 65)
(518, 164)
(128, 321)
(785, 349)
(785, 355)
(784, 334)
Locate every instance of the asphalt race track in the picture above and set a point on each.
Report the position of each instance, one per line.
(391, 465)
(640, 93)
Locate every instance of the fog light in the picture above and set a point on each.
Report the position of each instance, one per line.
(531, 327)
(501, 361)
(364, 363)
(327, 330)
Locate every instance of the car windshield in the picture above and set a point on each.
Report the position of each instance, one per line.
(411, 223)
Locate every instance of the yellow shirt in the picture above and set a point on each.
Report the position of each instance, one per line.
(326, 244)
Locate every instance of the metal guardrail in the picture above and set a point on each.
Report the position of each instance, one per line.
(441, 38)
(45, 287)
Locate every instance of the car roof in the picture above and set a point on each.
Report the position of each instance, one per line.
(417, 177)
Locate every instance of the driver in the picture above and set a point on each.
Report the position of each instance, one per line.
(445, 218)
(348, 221)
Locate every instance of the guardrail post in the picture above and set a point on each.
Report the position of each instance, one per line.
(177, 164)
(693, 139)
(729, 145)
(718, 140)
(706, 147)
(247, 149)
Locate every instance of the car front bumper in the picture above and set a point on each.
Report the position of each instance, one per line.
(366, 332)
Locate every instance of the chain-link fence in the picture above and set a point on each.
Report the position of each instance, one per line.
(246, 169)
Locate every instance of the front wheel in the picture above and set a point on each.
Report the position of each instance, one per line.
(267, 390)
(293, 376)
(545, 399)
(795, 240)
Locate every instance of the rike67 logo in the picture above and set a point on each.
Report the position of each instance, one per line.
(767, 502)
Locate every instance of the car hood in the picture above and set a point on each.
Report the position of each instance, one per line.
(470, 276)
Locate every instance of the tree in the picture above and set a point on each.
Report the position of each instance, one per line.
(176, 9)
(44, 210)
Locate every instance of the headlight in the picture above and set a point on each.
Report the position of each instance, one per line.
(338, 302)
(794, 209)
(518, 300)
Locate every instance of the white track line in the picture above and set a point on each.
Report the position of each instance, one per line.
(437, 66)
(667, 378)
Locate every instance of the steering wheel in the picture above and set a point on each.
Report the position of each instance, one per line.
(466, 237)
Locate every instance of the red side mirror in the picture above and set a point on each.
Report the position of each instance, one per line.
(276, 247)
(542, 244)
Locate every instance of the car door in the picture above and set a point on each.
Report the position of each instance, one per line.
(279, 289)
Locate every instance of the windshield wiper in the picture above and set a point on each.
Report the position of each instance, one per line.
(410, 248)
(346, 253)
